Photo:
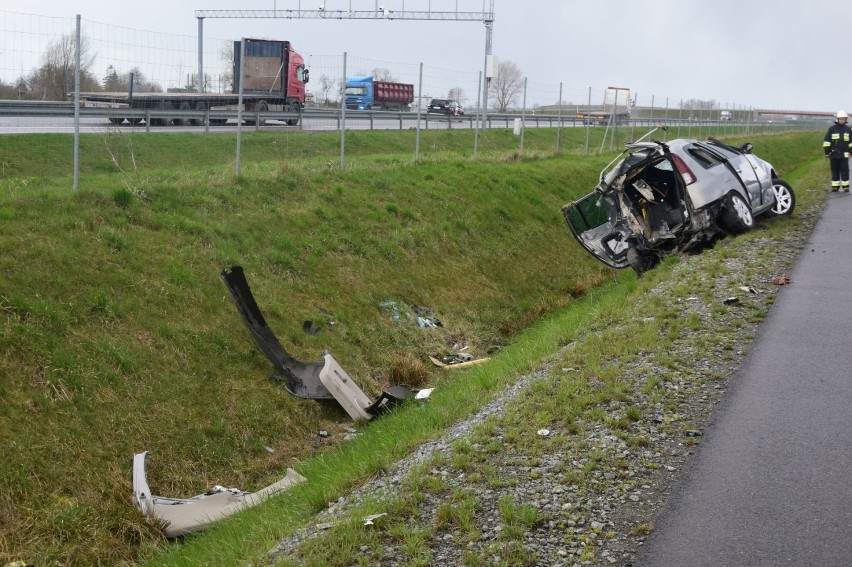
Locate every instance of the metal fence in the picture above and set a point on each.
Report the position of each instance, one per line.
(46, 63)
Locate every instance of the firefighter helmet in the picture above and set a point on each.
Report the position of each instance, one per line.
(841, 114)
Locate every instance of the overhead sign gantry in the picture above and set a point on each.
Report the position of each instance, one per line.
(378, 12)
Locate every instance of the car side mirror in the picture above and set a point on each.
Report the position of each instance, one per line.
(746, 148)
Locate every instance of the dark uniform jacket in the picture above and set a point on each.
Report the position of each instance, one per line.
(838, 141)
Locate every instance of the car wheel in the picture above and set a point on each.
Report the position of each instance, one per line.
(736, 216)
(785, 199)
(641, 262)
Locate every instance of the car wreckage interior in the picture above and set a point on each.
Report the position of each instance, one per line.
(653, 198)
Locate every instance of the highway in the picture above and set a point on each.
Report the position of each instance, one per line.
(26, 117)
(29, 117)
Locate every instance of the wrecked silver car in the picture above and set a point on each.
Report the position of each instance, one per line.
(665, 197)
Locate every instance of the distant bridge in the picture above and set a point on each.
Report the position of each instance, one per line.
(767, 113)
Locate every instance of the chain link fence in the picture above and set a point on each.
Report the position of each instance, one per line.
(134, 82)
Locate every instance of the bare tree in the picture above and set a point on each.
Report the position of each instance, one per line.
(382, 74)
(326, 86)
(457, 93)
(141, 83)
(54, 80)
(698, 104)
(505, 86)
(191, 85)
(8, 91)
(226, 55)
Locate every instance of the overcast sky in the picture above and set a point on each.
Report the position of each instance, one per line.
(783, 54)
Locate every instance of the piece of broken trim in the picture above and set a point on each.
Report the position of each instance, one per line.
(440, 364)
(424, 393)
(368, 521)
(312, 380)
(187, 515)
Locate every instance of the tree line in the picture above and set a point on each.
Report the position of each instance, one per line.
(54, 79)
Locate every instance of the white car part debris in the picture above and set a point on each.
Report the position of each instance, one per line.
(474, 362)
(344, 389)
(423, 394)
(187, 515)
(368, 521)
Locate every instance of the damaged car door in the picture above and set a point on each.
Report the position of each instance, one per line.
(745, 169)
(596, 230)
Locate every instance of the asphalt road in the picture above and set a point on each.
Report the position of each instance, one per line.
(771, 483)
(65, 125)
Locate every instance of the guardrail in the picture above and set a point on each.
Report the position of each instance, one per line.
(376, 119)
(212, 117)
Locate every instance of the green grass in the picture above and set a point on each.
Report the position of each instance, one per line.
(116, 335)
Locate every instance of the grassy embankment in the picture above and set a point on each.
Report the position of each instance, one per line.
(116, 335)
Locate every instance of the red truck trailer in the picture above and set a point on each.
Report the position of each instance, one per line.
(366, 93)
(274, 78)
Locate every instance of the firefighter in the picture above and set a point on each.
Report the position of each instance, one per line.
(837, 144)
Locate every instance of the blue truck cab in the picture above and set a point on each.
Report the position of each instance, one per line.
(360, 93)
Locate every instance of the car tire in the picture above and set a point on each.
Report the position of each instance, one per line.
(785, 199)
(641, 262)
(736, 217)
(295, 107)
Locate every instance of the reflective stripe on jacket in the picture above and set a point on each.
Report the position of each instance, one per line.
(838, 141)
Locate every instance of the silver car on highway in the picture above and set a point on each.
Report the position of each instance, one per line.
(665, 197)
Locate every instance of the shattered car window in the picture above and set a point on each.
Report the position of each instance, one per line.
(664, 165)
(589, 213)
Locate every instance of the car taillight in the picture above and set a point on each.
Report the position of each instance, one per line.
(688, 177)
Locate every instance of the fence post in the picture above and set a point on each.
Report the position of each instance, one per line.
(524, 114)
(343, 118)
(240, 106)
(634, 110)
(419, 104)
(586, 120)
(77, 108)
(559, 120)
(478, 115)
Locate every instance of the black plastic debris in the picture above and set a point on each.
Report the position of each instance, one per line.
(309, 329)
(300, 378)
(312, 380)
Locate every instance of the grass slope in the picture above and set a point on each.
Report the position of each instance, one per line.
(117, 336)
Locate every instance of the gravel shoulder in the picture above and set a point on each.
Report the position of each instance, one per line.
(597, 484)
